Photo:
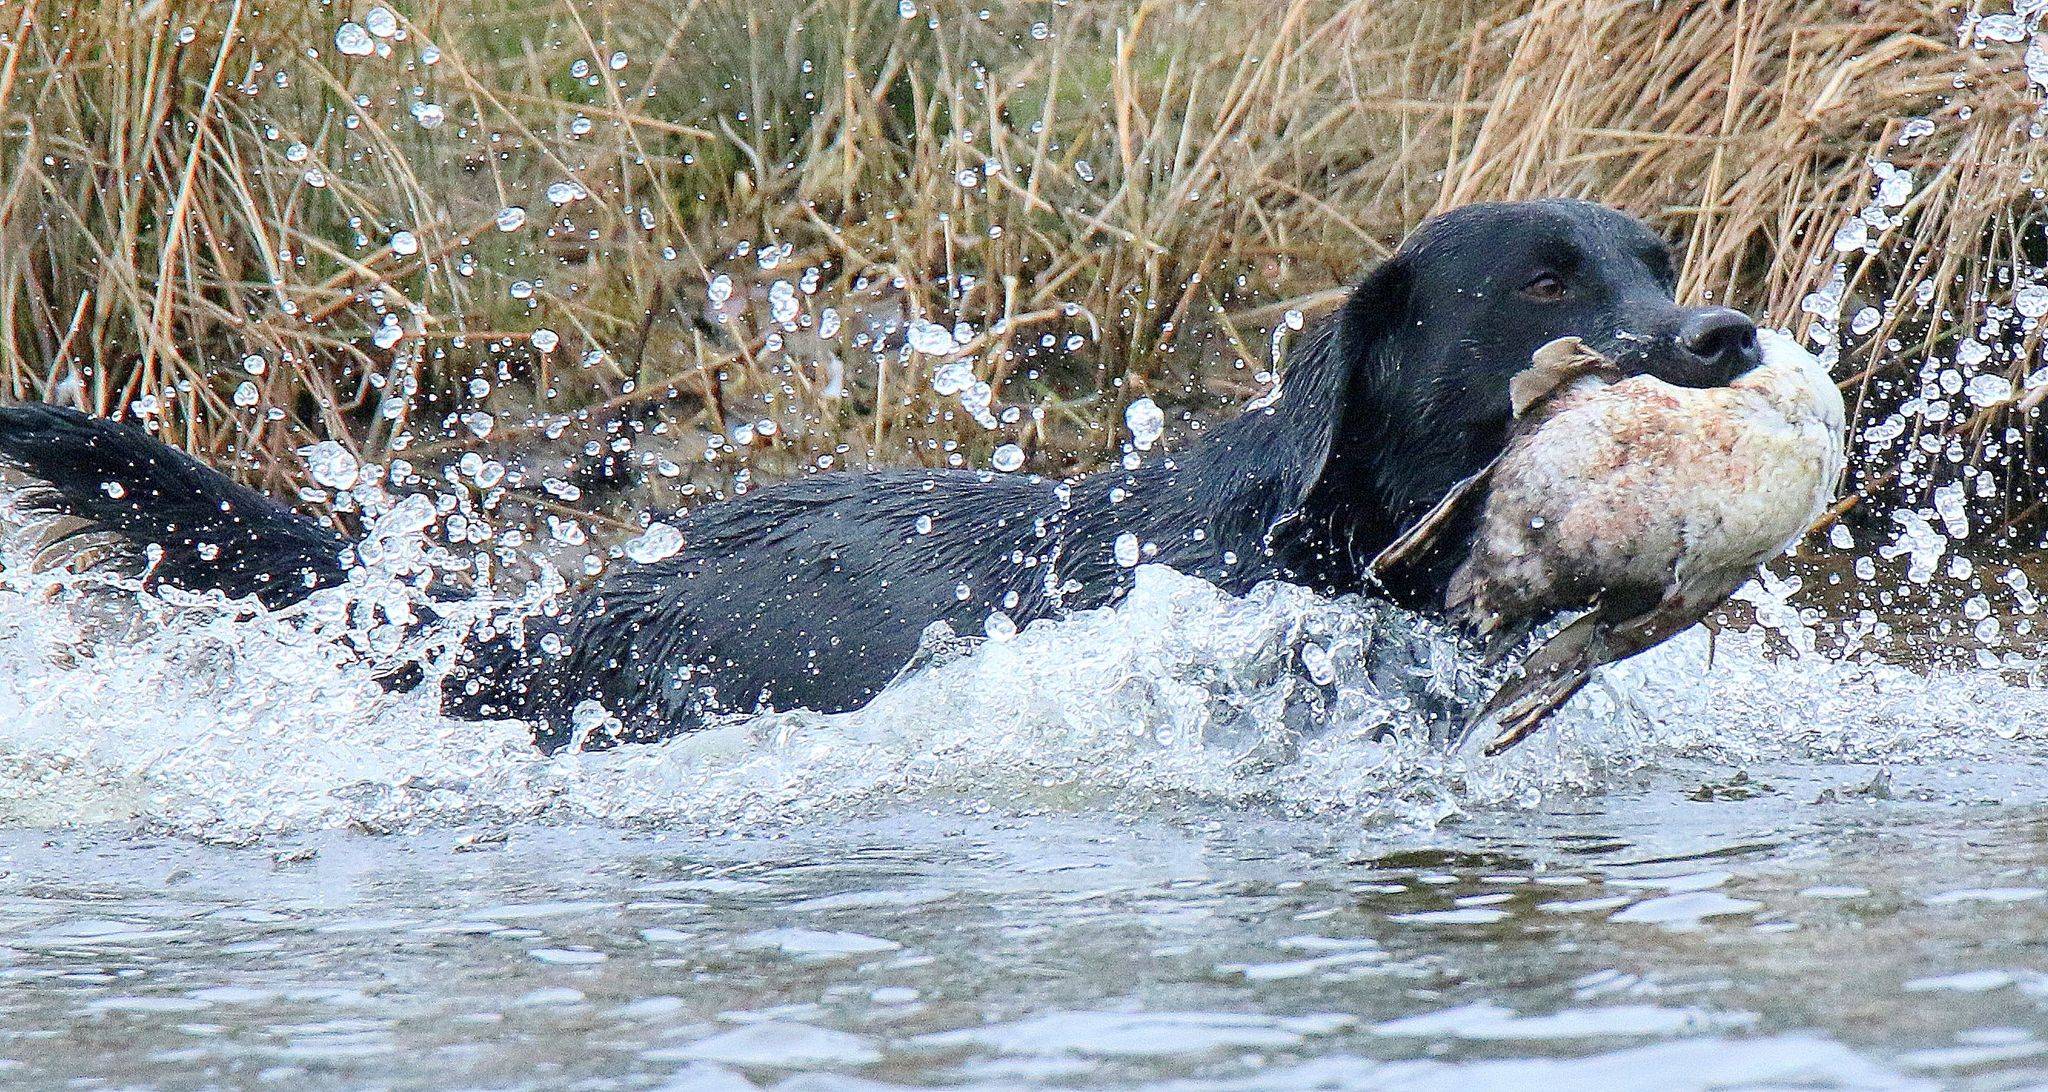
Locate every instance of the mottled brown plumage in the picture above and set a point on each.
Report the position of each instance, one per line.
(1643, 504)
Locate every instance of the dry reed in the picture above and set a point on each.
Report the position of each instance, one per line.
(216, 219)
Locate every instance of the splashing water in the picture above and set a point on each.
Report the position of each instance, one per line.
(223, 721)
(1186, 804)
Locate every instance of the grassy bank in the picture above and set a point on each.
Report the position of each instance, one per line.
(261, 225)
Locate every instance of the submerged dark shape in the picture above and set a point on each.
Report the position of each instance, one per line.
(815, 593)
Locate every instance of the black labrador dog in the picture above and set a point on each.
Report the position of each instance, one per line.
(816, 593)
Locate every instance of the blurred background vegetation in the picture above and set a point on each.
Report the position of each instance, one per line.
(595, 255)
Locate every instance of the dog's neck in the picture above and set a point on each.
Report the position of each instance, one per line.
(1308, 486)
(1327, 451)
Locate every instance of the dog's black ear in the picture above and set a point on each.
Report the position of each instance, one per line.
(1331, 375)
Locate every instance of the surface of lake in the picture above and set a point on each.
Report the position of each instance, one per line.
(1095, 856)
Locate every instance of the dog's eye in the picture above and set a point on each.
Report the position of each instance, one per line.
(1544, 288)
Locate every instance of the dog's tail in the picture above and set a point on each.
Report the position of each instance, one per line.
(82, 479)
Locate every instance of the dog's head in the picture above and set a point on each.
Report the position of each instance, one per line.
(1435, 334)
(1406, 392)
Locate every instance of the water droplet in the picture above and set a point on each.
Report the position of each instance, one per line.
(953, 377)
(511, 218)
(331, 464)
(1146, 422)
(658, 543)
(1894, 186)
(782, 302)
(720, 290)
(2031, 300)
(405, 243)
(2002, 28)
(254, 364)
(545, 340)
(429, 115)
(353, 40)
(932, 339)
(246, 394)
(381, 22)
(561, 193)
(1988, 390)
(1007, 458)
(409, 517)
(1321, 669)
(1127, 550)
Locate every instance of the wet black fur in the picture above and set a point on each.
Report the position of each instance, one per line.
(815, 593)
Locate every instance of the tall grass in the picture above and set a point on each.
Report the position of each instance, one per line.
(1108, 198)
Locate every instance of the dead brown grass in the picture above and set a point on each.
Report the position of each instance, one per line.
(1118, 197)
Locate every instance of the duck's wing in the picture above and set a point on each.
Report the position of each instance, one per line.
(1555, 368)
(1562, 665)
(1416, 542)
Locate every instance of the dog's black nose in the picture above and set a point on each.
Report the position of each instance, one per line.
(1724, 341)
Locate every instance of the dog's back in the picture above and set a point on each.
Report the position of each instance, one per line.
(810, 594)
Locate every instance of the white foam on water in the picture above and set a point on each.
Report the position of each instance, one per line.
(1486, 1020)
(228, 722)
(1702, 1064)
(775, 1045)
(1142, 1034)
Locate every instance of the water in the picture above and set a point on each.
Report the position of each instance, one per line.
(1727, 935)
(1163, 846)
